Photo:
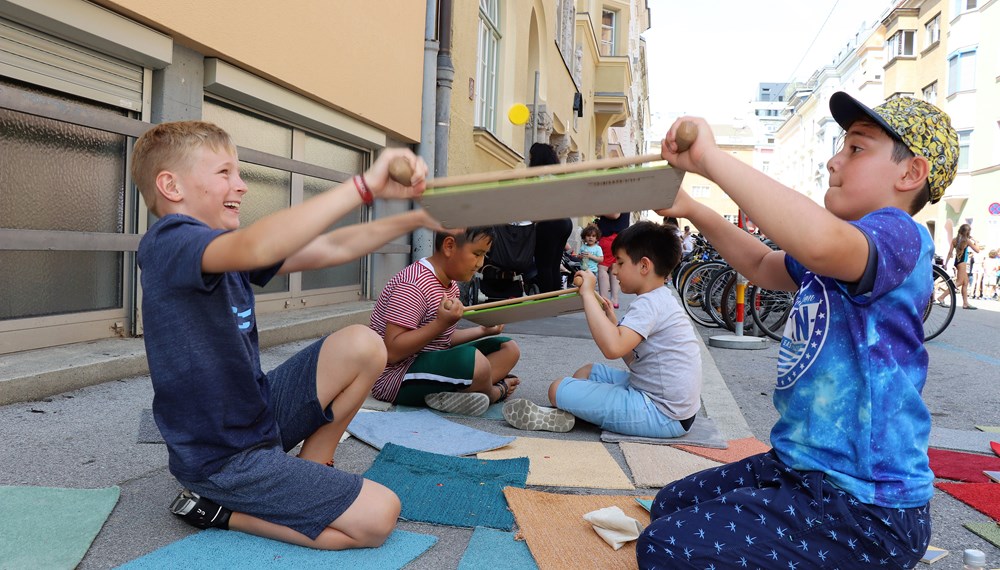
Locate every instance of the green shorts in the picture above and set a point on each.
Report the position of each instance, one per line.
(447, 370)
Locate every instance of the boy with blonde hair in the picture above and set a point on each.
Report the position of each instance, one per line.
(847, 483)
(226, 423)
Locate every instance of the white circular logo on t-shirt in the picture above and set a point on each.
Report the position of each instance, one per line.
(805, 332)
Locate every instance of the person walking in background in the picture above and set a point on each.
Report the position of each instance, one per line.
(960, 247)
(687, 241)
(610, 225)
(550, 235)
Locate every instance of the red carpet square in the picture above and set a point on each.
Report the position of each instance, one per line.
(961, 466)
(984, 497)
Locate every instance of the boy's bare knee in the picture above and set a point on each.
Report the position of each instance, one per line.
(358, 341)
(512, 347)
(380, 523)
(583, 372)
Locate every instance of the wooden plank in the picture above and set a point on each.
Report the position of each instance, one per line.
(566, 195)
(520, 310)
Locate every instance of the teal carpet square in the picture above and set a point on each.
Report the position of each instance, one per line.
(494, 549)
(213, 549)
(423, 430)
(446, 490)
(48, 527)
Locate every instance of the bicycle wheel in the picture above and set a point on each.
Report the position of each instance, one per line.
(693, 292)
(940, 309)
(714, 300)
(769, 309)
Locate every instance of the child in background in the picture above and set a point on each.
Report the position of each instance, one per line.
(228, 426)
(847, 483)
(660, 393)
(591, 254)
(430, 363)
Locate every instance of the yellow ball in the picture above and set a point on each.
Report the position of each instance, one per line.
(518, 114)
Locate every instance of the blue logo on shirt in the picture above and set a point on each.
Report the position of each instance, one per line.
(244, 324)
(805, 332)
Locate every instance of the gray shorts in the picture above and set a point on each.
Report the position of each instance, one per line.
(268, 483)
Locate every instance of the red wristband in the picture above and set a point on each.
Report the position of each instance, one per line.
(366, 195)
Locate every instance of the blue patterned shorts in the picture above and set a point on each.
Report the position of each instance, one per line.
(759, 513)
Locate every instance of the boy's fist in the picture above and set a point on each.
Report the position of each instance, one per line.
(450, 310)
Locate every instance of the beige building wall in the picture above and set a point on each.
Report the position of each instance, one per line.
(347, 55)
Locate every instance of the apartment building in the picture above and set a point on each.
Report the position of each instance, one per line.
(948, 52)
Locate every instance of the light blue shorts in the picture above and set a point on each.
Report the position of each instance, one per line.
(609, 401)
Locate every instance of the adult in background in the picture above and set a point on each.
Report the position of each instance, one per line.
(550, 235)
(610, 225)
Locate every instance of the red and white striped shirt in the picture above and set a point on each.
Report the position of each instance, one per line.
(410, 300)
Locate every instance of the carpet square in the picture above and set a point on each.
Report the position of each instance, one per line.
(738, 450)
(659, 465)
(446, 490)
(988, 531)
(559, 538)
(704, 433)
(961, 466)
(984, 497)
(491, 549)
(562, 463)
(212, 549)
(50, 527)
(423, 430)
(962, 440)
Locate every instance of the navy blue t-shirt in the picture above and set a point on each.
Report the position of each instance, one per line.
(211, 399)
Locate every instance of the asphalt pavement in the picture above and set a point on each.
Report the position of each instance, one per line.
(86, 438)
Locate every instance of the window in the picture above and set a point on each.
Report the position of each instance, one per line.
(962, 72)
(486, 74)
(900, 44)
(930, 93)
(964, 138)
(273, 189)
(959, 6)
(933, 30)
(609, 20)
(700, 192)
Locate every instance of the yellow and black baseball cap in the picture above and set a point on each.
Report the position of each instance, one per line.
(922, 127)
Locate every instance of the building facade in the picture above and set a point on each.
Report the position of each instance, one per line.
(310, 95)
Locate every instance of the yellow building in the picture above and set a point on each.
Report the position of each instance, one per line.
(737, 140)
(569, 62)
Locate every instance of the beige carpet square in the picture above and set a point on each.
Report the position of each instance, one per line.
(561, 463)
(559, 538)
(658, 465)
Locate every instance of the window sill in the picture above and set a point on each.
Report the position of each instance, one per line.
(930, 48)
(489, 143)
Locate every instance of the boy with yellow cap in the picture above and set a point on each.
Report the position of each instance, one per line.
(847, 483)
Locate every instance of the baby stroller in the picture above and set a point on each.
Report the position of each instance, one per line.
(509, 268)
(568, 267)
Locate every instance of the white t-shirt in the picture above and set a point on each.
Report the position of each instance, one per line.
(667, 363)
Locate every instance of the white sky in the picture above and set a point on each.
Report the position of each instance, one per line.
(707, 57)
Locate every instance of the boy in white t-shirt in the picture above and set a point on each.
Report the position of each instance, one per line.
(660, 393)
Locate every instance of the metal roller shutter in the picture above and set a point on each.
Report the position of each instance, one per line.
(38, 58)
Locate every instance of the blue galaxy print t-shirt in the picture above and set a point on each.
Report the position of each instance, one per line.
(851, 369)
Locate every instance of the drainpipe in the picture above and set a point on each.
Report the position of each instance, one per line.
(423, 240)
(445, 78)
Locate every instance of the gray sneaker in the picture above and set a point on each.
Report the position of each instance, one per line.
(465, 403)
(525, 414)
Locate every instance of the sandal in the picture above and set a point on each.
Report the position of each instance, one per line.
(505, 389)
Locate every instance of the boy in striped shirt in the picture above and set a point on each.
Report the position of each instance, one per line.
(431, 362)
